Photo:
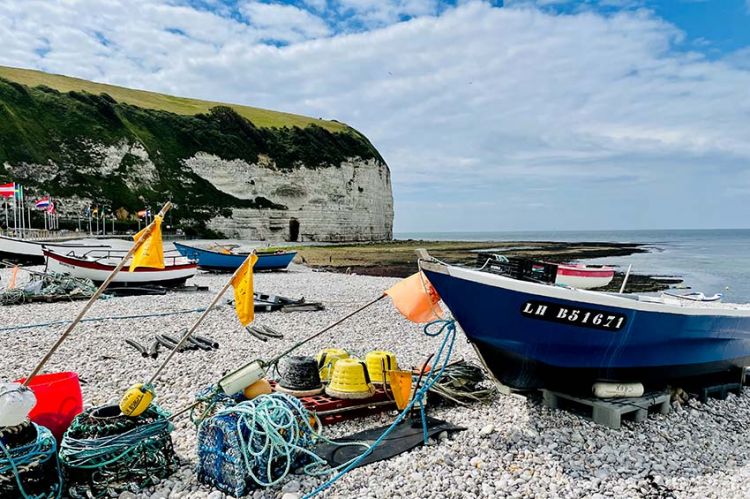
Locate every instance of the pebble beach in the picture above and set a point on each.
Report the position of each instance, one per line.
(513, 446)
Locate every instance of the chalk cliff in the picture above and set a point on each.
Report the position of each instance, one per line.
(230, 171)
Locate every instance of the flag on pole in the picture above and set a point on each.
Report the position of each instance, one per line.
(8, 190)
(416, 299)
(242, 281)
(151, 252)
(51, 208)
(42, 204)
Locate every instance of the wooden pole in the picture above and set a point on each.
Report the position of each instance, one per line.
(198, 322)
(137, 244)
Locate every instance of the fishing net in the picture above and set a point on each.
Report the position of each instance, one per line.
(28, 462)
(49, 285)
(104, 452)
(255, 443)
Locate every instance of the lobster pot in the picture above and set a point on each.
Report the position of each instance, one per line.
(104, 453)
(222, 438)
(32, 450)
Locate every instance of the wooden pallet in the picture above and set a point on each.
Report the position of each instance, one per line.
(333, 410)
(609, 412)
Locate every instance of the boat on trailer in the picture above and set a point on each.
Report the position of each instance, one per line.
(31, 252)
(98, 264)
(227, 261)
(534, 335)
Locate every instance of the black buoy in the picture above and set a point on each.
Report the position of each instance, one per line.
(300, 377)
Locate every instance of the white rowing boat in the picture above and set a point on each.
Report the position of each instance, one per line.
(98, 264)
(32, 251)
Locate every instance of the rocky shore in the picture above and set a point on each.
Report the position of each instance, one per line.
(398, 258)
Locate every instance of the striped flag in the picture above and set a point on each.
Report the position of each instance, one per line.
(42, 204)
(8, 190)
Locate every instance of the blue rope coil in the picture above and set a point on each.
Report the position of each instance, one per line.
(257, 443)
(23, 457)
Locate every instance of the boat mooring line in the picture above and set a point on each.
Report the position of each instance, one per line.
(97, 319)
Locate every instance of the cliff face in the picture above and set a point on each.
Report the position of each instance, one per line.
(225, 175)
(351, 202)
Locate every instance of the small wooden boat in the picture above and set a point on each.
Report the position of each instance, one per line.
(98, 264)
(538, 335)
(584, 276)
(226, 260)
(31, 252)
(574, 275)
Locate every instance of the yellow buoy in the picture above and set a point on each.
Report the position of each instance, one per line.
(327, 358)
(350, 380)
(136, 400)
(379, 362)
(260, 387)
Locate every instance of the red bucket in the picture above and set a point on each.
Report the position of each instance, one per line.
(58, 401)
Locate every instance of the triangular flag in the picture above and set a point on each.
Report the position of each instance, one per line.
(416, 299)
(242, 281)
(151, 252)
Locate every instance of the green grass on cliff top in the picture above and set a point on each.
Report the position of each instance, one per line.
(153, 100)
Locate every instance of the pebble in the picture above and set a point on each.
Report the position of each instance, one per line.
(514, 447)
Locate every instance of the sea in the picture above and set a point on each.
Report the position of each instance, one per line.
(711, 261)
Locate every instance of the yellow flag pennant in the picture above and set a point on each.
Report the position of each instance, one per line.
(151, 252)
(244, 301)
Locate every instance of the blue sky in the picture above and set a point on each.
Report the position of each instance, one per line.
(527, 114)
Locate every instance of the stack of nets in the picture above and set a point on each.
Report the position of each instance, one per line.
(28, 462)
(255, 443)
(104, 452)
(50, 284)
(463, 383)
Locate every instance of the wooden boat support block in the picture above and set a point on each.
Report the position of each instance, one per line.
(609, 412)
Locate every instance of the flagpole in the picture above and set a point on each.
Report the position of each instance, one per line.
(199, 321)
(137, 244)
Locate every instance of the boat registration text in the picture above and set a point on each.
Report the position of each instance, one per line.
(574, 316)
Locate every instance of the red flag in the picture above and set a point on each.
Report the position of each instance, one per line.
(8, 190)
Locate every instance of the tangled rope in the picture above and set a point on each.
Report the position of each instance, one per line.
(274, 433)
(36, 457)
(439, 364)
(49, 284)
(460, 383)
(102, 454)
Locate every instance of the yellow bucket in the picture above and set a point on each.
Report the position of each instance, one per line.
(350, 380)
(378, 363)
(327, 359)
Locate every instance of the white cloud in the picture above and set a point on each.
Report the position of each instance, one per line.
(524, 118)
(284, 22)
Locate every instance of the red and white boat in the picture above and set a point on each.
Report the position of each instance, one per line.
(582, 276)
(98, 264)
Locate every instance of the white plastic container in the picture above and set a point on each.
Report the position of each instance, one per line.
(16, 402)
(617, 390)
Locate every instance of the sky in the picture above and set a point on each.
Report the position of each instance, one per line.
(515, 115)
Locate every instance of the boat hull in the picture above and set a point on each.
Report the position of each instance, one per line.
(32, 252)
(222, 262)
(534, 336)
(171, 275)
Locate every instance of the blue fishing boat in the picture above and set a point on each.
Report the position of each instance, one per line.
(533, 335)
(228, 261)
